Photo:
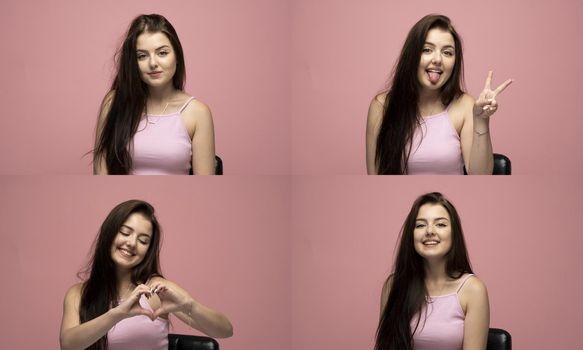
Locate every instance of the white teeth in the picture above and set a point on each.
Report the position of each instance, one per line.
(126, 253)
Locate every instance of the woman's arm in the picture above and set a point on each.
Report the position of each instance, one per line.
(474, 297)
(99, 164)
(76, 335)
(178, 301)
(373, 125)
(475, 134)
(199, 116)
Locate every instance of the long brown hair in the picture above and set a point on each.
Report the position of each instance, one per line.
(408, 292)
(99, 291)
(401, 110)
(131, 94)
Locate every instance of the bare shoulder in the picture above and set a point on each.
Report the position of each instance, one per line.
(380, 99)
(387, 287)
(197, 110)
(474, 288)
(106, 105)
(462, 103)
(156, 279)
(376, 109)
(73, 294)
(107, 100)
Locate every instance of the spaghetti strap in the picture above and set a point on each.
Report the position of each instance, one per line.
(463, 282)
(185, 104)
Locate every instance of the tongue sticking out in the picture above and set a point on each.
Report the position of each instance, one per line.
(433, 77)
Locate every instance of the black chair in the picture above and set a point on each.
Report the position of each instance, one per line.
(191, 342)
(502, 165)
(218, 166)
(499, 339)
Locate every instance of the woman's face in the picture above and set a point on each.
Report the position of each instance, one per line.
(132, 242)
(156, 59)
(437, 59)
(432, 234)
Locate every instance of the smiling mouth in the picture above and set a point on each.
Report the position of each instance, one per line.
(430, 243)
(126, 253)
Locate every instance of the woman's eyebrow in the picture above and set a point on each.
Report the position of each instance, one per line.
(161, 47)
(445, 47)
(434, 219)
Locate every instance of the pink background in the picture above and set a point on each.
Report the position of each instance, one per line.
(523, 235)
(227, 242)
(58, 66)
(297, 264)
(288, 81)
(343, 52)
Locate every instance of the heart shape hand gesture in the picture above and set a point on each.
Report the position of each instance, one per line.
(131, 306)
(486, 103)
(171, 300)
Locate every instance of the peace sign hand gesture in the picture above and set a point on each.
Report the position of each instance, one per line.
(486, 103)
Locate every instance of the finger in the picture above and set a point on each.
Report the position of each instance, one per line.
(502, 86)
(489, 80)
(160, 311)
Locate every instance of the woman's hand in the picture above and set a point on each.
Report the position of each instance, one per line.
(486, 103)
(171, 300)
(131, 307)
(174, 299)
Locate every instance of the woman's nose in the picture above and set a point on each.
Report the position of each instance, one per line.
(430, 229)
(153, 63)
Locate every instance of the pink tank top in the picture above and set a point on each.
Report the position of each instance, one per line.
(162, 146)
(443, 329)
(436, 148)
(139, 332)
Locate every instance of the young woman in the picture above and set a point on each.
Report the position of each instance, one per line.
(425, 123)
(148, 124)
(432, 300)
(125, 301)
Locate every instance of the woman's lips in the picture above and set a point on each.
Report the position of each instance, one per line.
(154, 74)
(126, 253)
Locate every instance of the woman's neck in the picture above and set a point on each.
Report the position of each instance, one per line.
(162, 94)
(124, 282)
(435, 270)
(429, 102)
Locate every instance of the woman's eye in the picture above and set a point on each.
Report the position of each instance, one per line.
(448, 53)
(144, 242)
(441, 225)
(124, 233)
(163, 53)
(419, 225)
(426, 50)
(141, 57)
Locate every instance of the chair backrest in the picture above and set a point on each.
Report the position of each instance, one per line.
(502, 165)
(499, 339)
(218, 166)
(191, 342)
